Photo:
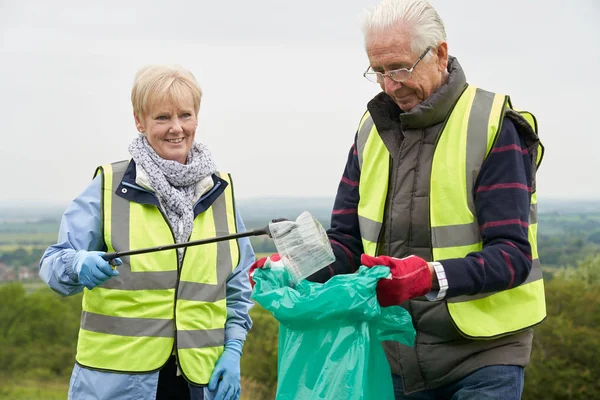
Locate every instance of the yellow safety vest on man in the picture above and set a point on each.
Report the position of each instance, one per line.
(465, 141)
(135, 321)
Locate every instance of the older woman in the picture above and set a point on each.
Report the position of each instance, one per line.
(168, 324)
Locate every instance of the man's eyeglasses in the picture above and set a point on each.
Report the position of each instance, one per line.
(397, 75)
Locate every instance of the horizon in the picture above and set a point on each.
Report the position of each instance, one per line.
(40, 209)
(284, 128)
(31, 202)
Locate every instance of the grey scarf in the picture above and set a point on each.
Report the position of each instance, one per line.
(173, 182)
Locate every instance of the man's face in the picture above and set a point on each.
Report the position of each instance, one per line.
(389, 49)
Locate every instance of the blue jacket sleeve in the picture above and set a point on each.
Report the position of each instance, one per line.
(238, 291)
(80, 229)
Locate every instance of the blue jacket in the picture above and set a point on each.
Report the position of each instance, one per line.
(80, 229)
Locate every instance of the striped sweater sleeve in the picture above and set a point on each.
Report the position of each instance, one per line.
(344, 233)
(502, 197)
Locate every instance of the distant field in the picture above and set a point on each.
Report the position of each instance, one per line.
(23, 239)
(551, 224)
(29, 227)
(28, 247)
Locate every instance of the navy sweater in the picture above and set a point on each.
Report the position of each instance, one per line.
(502, 199)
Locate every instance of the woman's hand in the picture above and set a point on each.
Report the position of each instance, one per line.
(225, 378)
(92, 270)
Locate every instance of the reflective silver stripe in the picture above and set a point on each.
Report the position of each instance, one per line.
(455, 235)
(127, 326)
(128, 280)
(363, 135)
(119, 212)
(533, 213)
(477, 136)
(200, 338)
(534, 275)
(200, 291)
(369, 229)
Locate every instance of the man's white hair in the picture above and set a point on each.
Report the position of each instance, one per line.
(427, 28)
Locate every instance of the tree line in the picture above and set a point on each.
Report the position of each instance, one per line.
(38, 335)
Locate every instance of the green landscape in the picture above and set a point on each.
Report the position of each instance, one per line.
(38, 329)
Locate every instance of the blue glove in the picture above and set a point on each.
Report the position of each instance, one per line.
(227, 368)
(92, 270)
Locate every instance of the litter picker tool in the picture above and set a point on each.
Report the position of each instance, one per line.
(303, 245)
(256, 232)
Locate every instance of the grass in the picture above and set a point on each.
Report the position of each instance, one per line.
(33, 390)
(252, 390)
(57, 390)
(33, 286)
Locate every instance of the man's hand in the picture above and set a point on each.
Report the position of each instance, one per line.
(261, 263)
(411, 277)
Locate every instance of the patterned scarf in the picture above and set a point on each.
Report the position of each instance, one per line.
(173, 182)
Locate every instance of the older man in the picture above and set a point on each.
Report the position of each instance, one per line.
(442, 178)
(440, 186)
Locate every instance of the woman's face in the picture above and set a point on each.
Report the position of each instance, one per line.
(170, 128)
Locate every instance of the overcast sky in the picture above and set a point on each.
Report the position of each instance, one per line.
(283, 91)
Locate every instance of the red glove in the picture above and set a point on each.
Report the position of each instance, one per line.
(261, 263)
(411, 277)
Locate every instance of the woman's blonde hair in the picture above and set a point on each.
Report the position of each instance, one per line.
(156, 83)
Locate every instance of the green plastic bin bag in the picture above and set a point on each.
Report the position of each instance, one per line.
(330, 335)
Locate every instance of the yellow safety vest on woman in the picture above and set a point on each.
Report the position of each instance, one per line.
(135, 321)
(463, 145)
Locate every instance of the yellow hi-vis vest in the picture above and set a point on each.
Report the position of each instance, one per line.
(134, 321)
(466, 139)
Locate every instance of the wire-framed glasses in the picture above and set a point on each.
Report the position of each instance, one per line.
(397, 75)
